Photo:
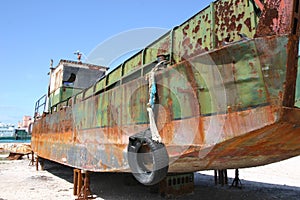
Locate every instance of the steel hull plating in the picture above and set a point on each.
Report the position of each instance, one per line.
(220, 109)
(267, 145)
(272, 143)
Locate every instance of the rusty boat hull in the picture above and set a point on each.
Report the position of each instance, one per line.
(234, 136)
(223, 101)
(272, 143)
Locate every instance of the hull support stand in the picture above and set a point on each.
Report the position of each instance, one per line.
(236, 181)
(82, 185)
(31, 163)
(40, 161)
(221, 177)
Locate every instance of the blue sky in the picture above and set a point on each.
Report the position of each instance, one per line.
(33, 32)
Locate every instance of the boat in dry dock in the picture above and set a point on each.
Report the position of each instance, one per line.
(220, 91)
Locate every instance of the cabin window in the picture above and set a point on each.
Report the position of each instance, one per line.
(79, 77)
(69, 82)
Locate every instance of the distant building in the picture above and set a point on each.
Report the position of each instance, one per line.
(25, 123)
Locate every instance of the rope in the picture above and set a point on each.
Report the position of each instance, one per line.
(152, 91)
(153, 128)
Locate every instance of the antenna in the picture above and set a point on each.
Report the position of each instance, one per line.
(51, 67)
(51, 63)
(79, 54)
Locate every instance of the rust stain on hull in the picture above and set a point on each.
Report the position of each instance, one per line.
(261, 141)
(231, 106)
(267, 145)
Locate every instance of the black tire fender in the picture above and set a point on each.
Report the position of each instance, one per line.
(158, 156)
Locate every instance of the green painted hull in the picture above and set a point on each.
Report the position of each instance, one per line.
(223, 102)
(207, 100)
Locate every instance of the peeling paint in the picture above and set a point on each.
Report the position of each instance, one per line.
(224, 102)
